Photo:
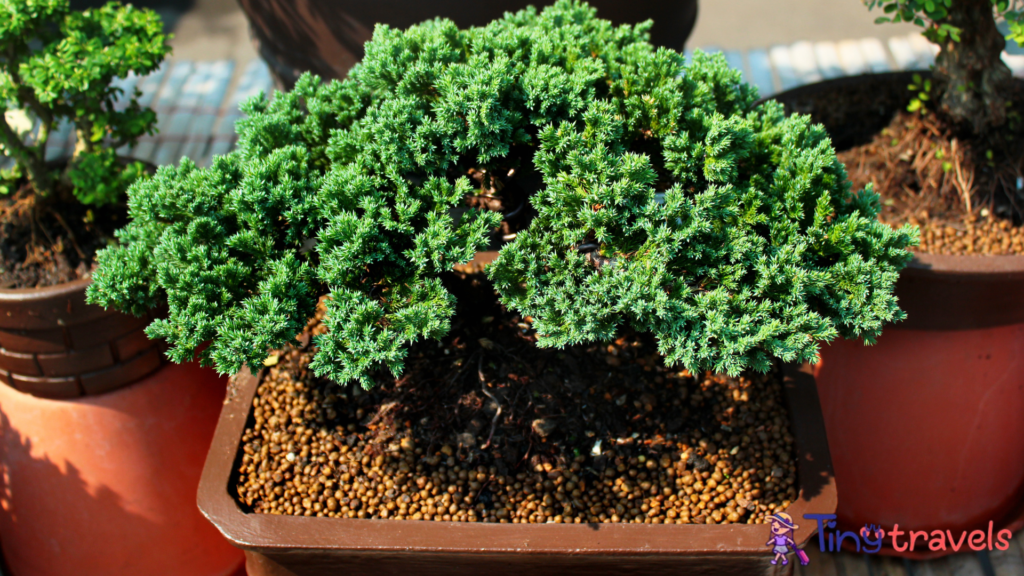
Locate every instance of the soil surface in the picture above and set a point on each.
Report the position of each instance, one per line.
(485, 426)
(49, 244)
(966, 193)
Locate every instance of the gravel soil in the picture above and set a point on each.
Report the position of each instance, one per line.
(486, 427)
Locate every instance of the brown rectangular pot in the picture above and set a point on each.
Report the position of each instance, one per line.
(309, 546)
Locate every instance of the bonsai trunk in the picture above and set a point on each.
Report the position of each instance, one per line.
(31, 157)
(970, 76)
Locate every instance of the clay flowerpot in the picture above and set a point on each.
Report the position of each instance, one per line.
(926, 428)
(326, 36)
(283, 545)
(102, 444)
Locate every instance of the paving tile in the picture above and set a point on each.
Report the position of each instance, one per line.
(851, 58)
(1015, 62)
(782, 62)
(965, 565)
(735, 60)
(1009, 562)
(875, 55)
(164, 103)
(925, 50)
(176, 127)
(804, 62)
(255, 79)
(148, 87)
(761, 75)
(214, 91)
(937, 567)
(59, 143)
(887, 566)
(827, 57)
(903, 53)
(853, 564)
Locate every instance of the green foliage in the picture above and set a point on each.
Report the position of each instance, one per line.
(57, 64)
(727, 230)
(745, 244)
(923, 88)
(1015, 22)
(932, 15)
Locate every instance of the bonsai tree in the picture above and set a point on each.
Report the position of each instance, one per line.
(971, 82)
(660, 196)
(58, 64)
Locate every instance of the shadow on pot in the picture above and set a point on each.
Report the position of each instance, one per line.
(36, 523)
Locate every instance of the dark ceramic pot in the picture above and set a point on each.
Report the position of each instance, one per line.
(326, 37)
(926, 428)
(309, 546)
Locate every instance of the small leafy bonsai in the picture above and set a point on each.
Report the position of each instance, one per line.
(660, 197)
(58, 64)
(971, 82)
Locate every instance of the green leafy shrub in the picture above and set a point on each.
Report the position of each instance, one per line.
(664, 200)
(55, 64)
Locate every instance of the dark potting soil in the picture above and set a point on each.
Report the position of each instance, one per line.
(485, 426)
(963, 192)
(45, 245)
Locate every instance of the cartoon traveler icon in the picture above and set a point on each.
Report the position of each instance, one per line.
(781, 541)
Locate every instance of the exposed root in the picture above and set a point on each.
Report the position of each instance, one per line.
(71, 235)
(961, 192)
(483, 388)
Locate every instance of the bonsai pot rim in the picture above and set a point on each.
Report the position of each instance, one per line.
(283, 538)
(984, 287)
(1009, 267)
(68, 289)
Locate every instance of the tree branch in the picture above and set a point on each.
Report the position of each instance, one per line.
(26, 94)
(25, 155)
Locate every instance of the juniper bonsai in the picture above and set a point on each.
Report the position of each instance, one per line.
(971, 81)
(58, 64)
(661, 197)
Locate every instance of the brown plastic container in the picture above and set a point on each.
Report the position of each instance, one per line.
(926, 427)
(54, 345)
(309, 546)
(326, 37)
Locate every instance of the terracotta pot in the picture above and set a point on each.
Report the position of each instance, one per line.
(926, 428)
(300, 546)
(54, 345)
(102, 445)
(326, 36)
